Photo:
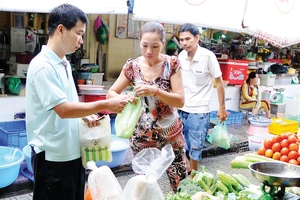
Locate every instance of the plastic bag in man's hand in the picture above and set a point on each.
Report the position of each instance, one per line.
(150, 163)
(126, 120)
(95, 142)
(219, 136)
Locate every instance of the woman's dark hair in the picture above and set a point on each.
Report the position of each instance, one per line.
(188, 27)
(67, 15)
(153, 27)
(251, 76)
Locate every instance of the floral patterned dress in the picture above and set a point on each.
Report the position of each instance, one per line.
(160, 124)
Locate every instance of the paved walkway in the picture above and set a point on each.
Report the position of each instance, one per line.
(213, 158)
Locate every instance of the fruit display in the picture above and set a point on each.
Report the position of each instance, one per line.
(283, 147)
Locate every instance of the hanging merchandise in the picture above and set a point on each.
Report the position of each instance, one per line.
(101, 34)
(98, 23)
(14, 84)
(101, 30)
(171, 45)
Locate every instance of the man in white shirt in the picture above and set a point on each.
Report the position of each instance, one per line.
(199, 69)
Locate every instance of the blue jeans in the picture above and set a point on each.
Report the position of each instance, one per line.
(195, 128)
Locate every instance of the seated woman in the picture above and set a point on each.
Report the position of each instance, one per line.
(250, 96)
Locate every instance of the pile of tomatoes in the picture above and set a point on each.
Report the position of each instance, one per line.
(283, 147)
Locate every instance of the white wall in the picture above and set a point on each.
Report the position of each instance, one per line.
(11, 105)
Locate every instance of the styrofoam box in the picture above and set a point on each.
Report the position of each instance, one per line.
(256, 141)
(292, 106)
(98, 78)
(267, 79)
(22, 70)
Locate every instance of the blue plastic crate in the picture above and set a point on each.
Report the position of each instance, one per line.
(13, 134)
(233, 118)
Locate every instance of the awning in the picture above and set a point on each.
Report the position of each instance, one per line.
(216, 14)
(89, 7)
(272, 21)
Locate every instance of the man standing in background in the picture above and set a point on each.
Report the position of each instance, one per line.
(199, 69)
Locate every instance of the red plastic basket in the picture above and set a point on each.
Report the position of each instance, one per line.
(92, 98)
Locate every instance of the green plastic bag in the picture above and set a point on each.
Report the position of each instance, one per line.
(101, 34)
(14, 84)
(126, 120)
(220, 136)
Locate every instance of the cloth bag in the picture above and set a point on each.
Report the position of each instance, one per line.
(95, 142)
(126, 120)
(220, 136)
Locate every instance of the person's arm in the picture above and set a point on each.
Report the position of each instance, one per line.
(222, 114)
(119, 85)
(176, 97)
(258, 93)
(81, 109)
(245, 94)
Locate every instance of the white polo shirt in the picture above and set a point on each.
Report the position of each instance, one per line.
(49, 83)
(198, 78)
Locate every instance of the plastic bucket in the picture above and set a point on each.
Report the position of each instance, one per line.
(267, 79)
(27, 152)
(265, 95)
(119, 147)
(9, 166)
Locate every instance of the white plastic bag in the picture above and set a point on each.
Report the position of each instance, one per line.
(102, 183)
(151, 164)
(95, 142)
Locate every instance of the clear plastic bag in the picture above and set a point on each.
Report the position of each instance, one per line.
(220, 136)
(102, 183)
(95, 142)
(126, 120)
(150, 164)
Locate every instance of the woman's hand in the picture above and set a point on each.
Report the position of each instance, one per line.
(145, 90)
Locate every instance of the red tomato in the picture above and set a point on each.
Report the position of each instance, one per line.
(293, 161)
(285, 135)
(261, 151)
(298, 159)
(293, 155)
(276, 138)
(284, 158)
(285, 151)
(276, 147)
(292, 139)
(284, 143)
(269, 153)
(276, 156)
(268, 144)
(293, 147)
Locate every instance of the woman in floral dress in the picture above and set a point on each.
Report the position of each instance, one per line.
(157, 79)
